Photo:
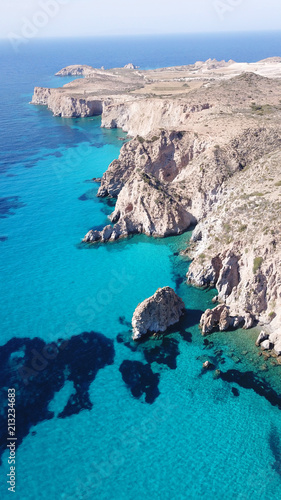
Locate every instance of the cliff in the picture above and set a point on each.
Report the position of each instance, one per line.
(206, 149)
(66, 106)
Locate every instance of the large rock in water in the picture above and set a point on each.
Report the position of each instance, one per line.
(157, 313)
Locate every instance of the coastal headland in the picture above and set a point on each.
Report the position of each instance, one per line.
(205, 150)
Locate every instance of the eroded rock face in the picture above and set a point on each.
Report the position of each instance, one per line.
(221, 271)
(203, 274)
(220, 319)
(163, 155)
(266, 345)
(157, 313)
(277, 347)
(261, 338)
(143, 208)
(65, 105)
(142, 180)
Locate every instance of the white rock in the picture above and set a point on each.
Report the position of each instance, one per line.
(262, 336)
(277, 347)
(266, 344)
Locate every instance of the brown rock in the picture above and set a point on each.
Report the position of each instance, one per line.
(157, 313)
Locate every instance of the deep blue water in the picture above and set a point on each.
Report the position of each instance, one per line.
(102, 418)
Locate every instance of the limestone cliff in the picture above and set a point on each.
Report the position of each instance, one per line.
(65, 105)
(232, 191)
(206, 149)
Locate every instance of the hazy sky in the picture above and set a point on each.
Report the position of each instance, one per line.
(44, 18)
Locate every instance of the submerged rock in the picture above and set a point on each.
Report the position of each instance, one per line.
(157, 313)
(207, 365)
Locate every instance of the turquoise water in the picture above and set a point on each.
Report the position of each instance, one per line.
(105, 418)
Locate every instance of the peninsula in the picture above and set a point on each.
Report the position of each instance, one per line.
(205, 150)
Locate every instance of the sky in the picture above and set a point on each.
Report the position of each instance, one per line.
(64, 18)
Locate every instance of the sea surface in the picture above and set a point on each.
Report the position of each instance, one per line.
(97, 416)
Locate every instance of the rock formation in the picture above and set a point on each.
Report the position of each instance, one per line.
(130, 66)
(157, 313)
(261, 338)
(206, 149)
(66, 106)
(76, 70)
(220, 319)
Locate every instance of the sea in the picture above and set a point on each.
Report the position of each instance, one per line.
(93, 415)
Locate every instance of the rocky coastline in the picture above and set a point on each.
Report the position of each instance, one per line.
(205, 151)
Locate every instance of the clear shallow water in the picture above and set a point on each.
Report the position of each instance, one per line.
(194, 437)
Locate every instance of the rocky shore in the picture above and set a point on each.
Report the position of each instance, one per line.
(205, 151)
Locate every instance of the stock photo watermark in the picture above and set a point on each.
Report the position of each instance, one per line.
(31, 26)
(224, 7)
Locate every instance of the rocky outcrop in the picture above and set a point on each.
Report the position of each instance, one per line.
(275, 339)
(220, 319)
(142, 207)
(163, 154)
(217, 162)
(266, 345)
(157, 313)
(142, 180)
(221, 271)
(108, 233)
(76, 70)
(130, 66)
(65, 105)
(261, 338)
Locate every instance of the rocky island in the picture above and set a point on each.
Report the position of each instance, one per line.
(205, 151)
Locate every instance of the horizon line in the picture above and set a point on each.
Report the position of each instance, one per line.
(133, 35)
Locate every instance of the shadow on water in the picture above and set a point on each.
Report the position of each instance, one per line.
(248, 380)
(8, 206)
(37, 371)
(191, 318)
(162, 350)
(140, 378)
(275, 446)
(89, 195)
